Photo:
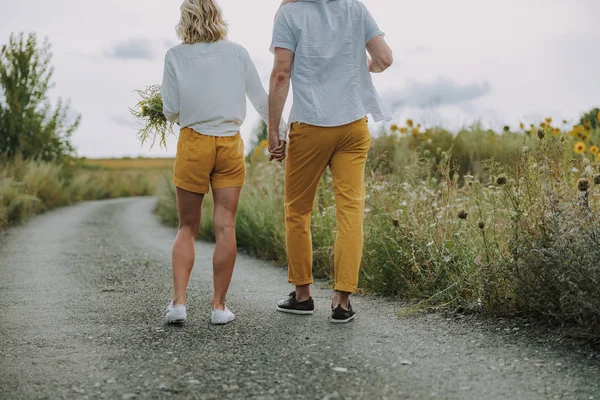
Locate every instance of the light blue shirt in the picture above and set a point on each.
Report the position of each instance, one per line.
(331, 81)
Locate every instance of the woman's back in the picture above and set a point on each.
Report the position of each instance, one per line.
(205, 83)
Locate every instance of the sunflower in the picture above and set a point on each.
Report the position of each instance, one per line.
(394, 127)
(594, 150)
(264, 144)
(403, 130)
(579, 148)
(409, 123)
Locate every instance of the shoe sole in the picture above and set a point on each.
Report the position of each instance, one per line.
(297, 312)
(342, 321)
(176, 322)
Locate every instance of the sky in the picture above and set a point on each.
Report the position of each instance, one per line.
(456, 62)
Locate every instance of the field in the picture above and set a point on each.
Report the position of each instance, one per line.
(502, 222)
(30, 187)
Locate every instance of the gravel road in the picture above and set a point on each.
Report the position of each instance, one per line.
(83, 292)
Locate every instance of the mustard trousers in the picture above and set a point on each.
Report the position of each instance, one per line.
(311, 150)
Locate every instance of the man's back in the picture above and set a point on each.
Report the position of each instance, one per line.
(331, 82)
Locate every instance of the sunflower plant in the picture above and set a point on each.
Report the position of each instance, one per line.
(149, 110)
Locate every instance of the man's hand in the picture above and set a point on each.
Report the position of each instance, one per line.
(277, 148)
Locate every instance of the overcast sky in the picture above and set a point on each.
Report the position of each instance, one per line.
(457, 61)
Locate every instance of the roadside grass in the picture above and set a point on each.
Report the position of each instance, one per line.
(515, 228)
(31, 187)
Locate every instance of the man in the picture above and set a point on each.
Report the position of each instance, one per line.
(320, 46)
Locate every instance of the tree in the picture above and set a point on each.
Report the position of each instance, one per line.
(29, 125)
(593, 118)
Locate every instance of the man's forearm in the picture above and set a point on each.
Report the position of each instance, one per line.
(278, 93)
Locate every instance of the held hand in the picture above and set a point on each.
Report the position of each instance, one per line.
(278, 153)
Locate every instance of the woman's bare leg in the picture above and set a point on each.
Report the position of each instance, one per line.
(189, 207)
(226, 204)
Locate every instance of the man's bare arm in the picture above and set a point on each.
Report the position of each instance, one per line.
(278, 93)
(381, 55)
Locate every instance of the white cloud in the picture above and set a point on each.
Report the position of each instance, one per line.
(437, 93)
(133, 49)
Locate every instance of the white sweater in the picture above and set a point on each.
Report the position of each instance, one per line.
(205, 87)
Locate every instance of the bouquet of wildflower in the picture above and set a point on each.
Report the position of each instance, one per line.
(149, 110)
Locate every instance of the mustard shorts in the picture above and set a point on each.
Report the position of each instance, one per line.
(203, 161)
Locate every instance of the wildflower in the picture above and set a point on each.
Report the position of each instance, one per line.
(462, 214)
(587, 128)
(583, 185)
(594, 150)
(586, 122)
(143, 110)
(597, 179)
(257, 151)
(522, 126)
(541, 133)
(481, 225)
(415, 131)
(403, 130)
(549, 120)
(394, 127)
(579, 148)
(543, 125)
(418, 126)
(555, 131)
(507, 128)
(501, 181)
(409, 123)
(264, 144)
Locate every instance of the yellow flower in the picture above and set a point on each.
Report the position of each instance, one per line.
(522, 125)
(594, 150)
(598, 116)
(579, 148)
(143, 110)
(264, 144)
(549, 120)
(556, 131)
(403, 130)
(409, 123)
(394, 127)
(415, 131)
(258, 151)
(418, 126)
(543, 125)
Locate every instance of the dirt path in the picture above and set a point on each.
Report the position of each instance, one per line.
(83, 292)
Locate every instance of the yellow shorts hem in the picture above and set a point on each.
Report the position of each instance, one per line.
(190, 187)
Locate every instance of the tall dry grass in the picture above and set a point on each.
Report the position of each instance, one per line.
(514, 228)
(31, 187)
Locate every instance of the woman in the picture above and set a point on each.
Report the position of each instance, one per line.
(206, 80)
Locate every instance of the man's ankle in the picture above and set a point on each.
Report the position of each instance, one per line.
(341, 299)
(302, 293)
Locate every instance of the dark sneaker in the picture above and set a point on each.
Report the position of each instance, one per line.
(293, 306)
(340, 316)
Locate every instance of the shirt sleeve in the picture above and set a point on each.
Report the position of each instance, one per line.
(170, 92)
(258, 96)
(371, 28)
(283, 36)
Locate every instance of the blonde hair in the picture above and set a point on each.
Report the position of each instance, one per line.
(201, 21)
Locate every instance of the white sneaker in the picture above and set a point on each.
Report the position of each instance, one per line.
(220, 317)
(176, 314)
